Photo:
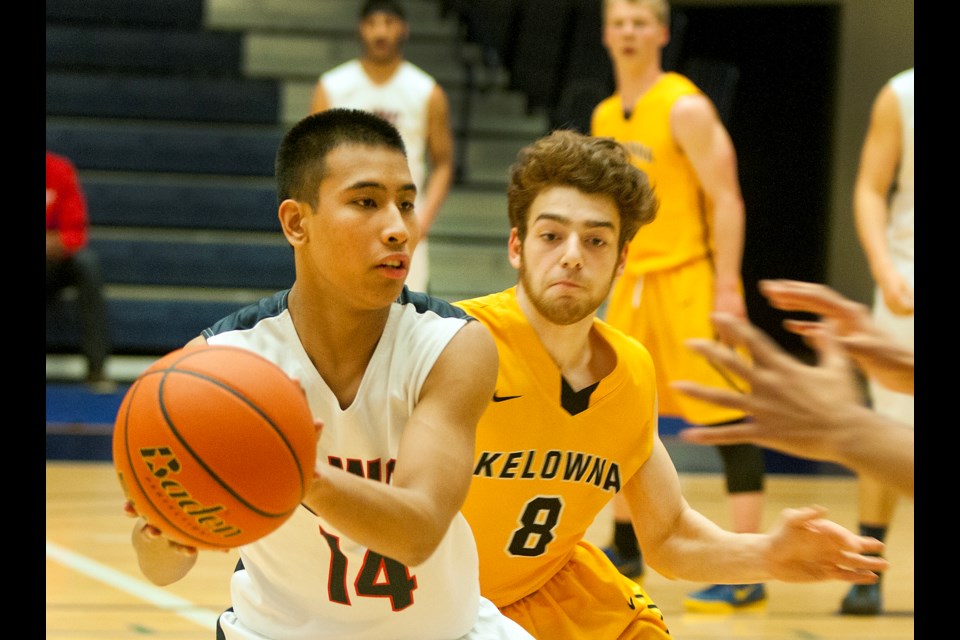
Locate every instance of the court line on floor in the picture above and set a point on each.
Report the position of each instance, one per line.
(137, 588)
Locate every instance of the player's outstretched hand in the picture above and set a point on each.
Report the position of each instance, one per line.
(878, 354)
(805, 547)
(794, 407)
(803, 410)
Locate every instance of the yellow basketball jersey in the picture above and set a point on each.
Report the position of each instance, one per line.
(541, 475)
(681, 231)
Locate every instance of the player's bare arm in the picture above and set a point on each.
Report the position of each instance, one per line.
(406, 519)
(879, 159)
(440, 149)
(808, 411)
(707, 144)
(681, 543)
(318, 100)
(677, 541)
(877, 353)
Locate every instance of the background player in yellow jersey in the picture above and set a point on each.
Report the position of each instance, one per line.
(687, 264)
(573, 421)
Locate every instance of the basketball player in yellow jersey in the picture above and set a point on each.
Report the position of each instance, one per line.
(686, 264)
(573, 421)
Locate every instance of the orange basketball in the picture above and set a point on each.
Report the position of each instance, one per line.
(215, 446)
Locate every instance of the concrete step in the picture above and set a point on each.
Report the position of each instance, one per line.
(288, 55)
(491, 113)
(68, 367)
(165, 146)
(122, 48)
(182, 14)
(321, 16)
(139, 96)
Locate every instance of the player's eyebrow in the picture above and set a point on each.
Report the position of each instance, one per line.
(556, 217)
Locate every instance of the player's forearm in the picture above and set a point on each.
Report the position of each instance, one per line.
(871, 222)
(883, 359)
(400, 523)
(879, 447)
(698, 550)
(436, 191)
(728, 241)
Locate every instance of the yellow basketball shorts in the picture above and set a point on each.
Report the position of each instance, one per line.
(589, 599)
(662, 310)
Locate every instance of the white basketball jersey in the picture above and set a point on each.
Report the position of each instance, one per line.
(401, 101)
(309, 581)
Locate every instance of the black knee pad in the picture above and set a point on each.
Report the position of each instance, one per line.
(744, 467)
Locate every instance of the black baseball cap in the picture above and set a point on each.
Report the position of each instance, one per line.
(386, 6)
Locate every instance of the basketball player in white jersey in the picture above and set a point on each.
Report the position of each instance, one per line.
(383, 82)
(883, 212)
(378, 548)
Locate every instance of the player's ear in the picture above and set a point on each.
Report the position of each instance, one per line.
(291, 214)
(664, 35)
(622, 260)
(514, 248)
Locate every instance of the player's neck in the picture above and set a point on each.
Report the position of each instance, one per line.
(380, 71)
(338, 340)
(636, 81)
(569, 345)
(582, 355)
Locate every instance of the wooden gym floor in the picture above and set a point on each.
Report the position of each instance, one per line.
(94, 590)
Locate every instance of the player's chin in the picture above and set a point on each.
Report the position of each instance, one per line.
(568, 309)
(388, 285)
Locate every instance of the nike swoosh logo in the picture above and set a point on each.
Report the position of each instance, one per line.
(497, 398)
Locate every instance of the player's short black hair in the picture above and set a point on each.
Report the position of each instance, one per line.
(387, 6)
(301, 158)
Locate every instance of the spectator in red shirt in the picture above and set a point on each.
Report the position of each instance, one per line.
(71, 263)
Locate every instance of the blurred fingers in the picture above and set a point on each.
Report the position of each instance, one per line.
(735, 434)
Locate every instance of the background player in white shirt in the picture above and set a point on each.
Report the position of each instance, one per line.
(883, 211)
(383, 82)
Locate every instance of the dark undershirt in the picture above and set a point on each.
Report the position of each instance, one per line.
(575, 401)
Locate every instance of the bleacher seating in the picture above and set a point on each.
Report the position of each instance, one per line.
(172, 111)
(151, 97)
(169, 147)
(175, 202)
(184, 14)
(166, 50)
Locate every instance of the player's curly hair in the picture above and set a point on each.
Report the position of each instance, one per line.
(590, 164)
